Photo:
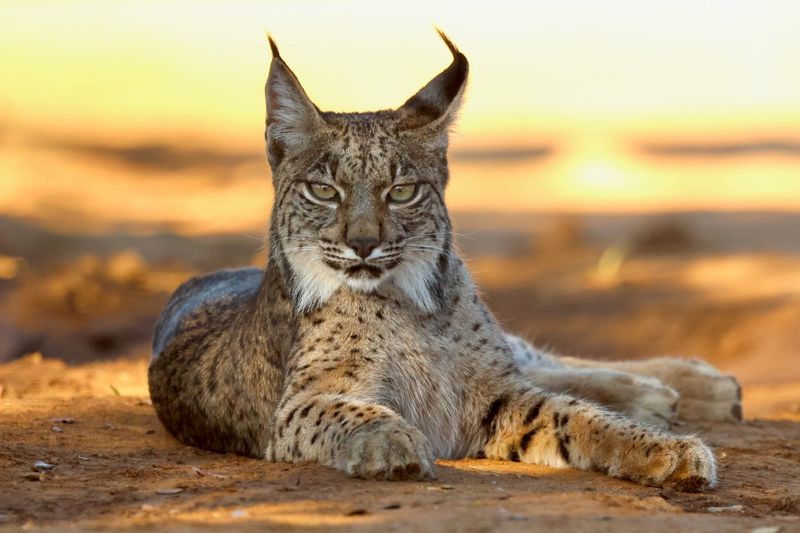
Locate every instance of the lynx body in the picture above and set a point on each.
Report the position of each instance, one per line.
(364, 344)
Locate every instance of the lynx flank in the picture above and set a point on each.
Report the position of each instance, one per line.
(364, 344)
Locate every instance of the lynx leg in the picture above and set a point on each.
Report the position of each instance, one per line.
(705, 393)
(644, 399)
(362, 439)
(557, 430)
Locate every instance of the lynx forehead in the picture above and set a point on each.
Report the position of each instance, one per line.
(361, 195)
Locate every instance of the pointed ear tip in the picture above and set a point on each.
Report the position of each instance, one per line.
(453, 48)
(273, 47)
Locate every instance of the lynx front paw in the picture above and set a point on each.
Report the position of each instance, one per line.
(390, 451)
(682, 462)
(696, 467)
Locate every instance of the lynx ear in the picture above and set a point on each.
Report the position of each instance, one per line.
(435, 107)
(292, 118)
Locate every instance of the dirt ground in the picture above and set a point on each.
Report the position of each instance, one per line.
(83, 408)
(115, 466)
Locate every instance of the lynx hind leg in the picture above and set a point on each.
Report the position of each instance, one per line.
(557, 430)
(642, 398)
(528, 356)
(706, 394)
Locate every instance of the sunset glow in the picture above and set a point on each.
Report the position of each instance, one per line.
(594, 87)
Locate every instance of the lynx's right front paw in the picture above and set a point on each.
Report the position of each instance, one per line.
(391, 451)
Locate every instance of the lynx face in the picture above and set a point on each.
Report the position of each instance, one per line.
(359, 197)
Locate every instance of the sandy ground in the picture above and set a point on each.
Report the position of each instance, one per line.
(83, 406)
(115, 466)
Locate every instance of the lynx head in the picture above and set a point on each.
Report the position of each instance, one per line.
(359, 197)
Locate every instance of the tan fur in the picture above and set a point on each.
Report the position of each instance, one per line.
(366, 346)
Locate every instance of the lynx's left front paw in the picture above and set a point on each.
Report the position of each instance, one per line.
(696, 468)
(684, 463)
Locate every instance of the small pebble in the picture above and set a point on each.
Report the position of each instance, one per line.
(33, 476)
(169, 491)
(64, 420)
(357, 512)
(738, 508)
(200, 472)
(40, 466)
(56, 429)
(439, 487)
(239, 513)
(766, 529)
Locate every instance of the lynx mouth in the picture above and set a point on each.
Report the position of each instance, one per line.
(364, 271)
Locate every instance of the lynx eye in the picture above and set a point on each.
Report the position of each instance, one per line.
(402, 194)
(322, 191)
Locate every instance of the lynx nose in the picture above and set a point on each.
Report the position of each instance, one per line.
(363, 246)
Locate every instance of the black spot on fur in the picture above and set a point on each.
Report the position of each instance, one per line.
(533, 412)
(306, 409)
(562, 449)
(489, 422)
(525, 441)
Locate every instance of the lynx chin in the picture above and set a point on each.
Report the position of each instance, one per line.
(365, 346)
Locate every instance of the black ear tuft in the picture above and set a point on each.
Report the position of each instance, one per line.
(447, 41)
(274, 47)
(292, 118)
(439, 100)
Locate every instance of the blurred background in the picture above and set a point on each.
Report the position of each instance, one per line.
(625, 175)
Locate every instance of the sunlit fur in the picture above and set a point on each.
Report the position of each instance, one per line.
(364, 344)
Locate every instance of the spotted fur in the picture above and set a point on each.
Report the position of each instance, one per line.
(364, 344)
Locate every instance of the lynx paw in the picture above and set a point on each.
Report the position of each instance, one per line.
(390, 451)
(696, 468)
(706, 394)
(684, 463)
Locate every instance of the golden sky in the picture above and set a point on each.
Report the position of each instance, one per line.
(537, 67)
(591, 78)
